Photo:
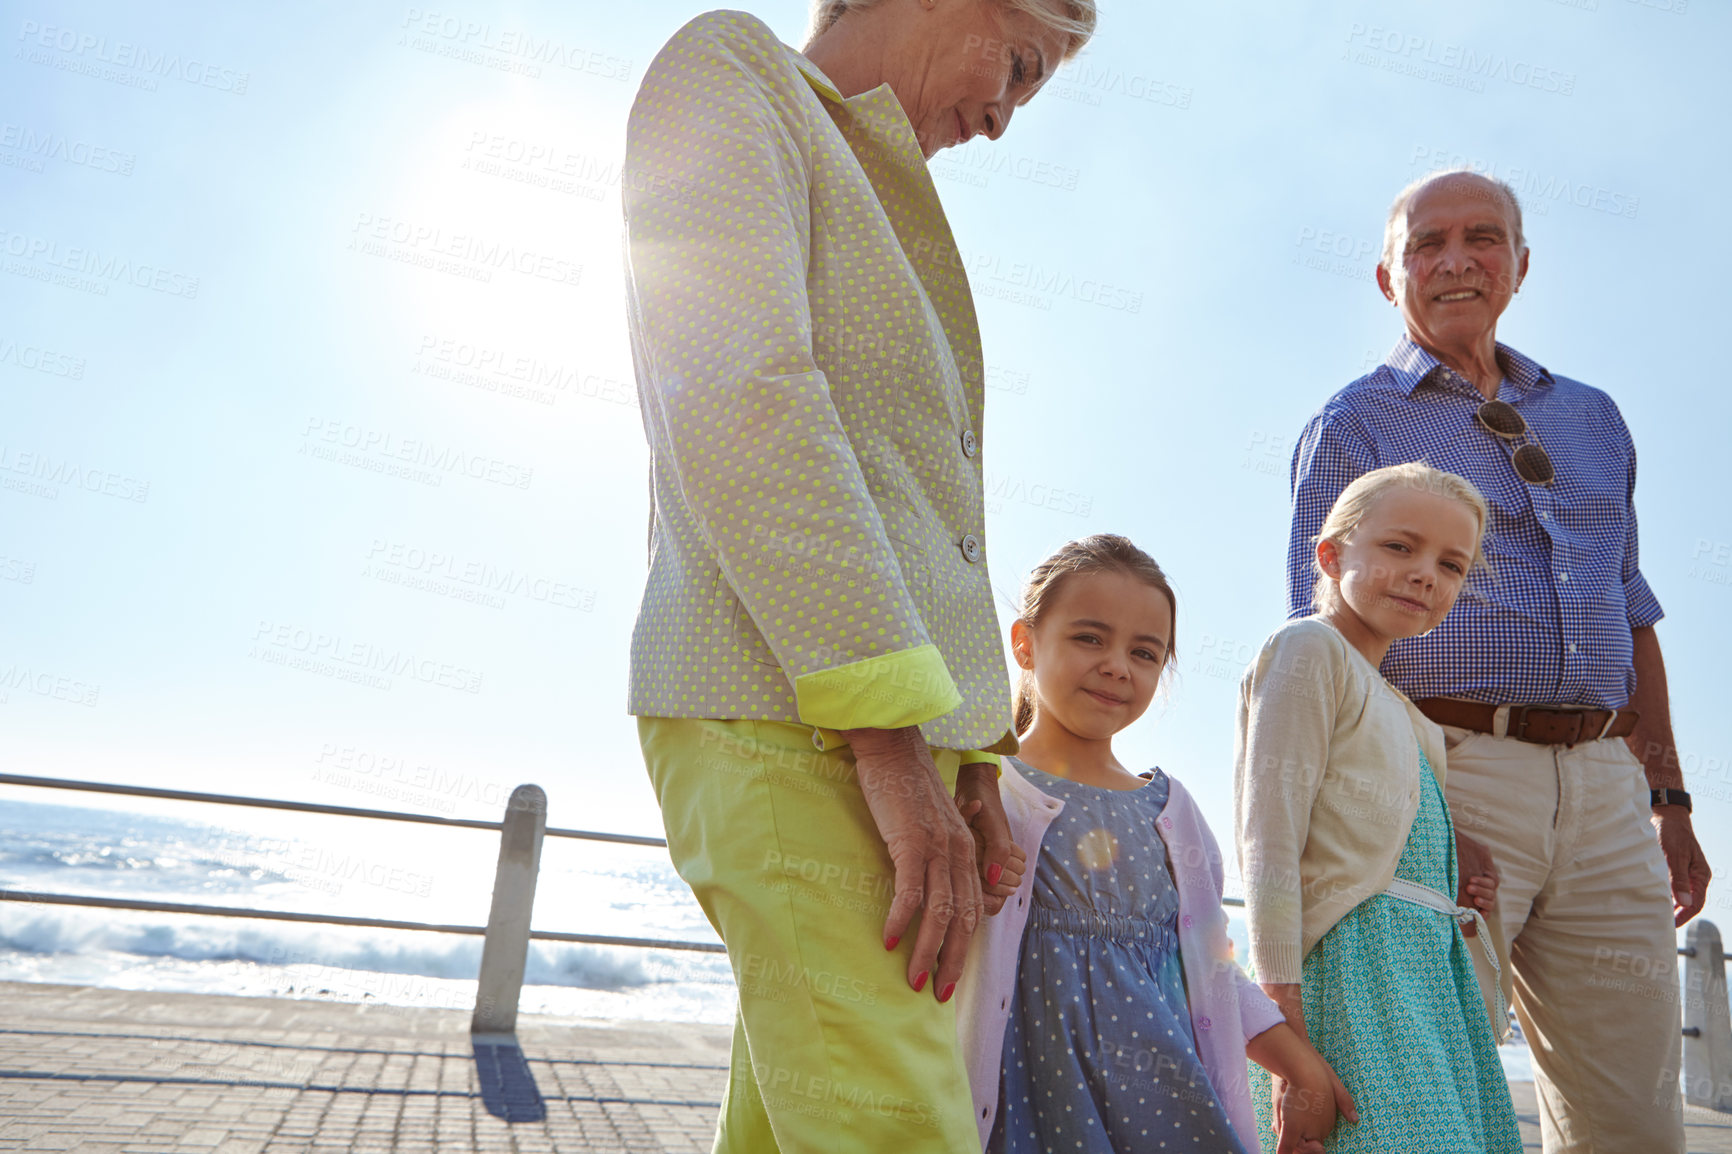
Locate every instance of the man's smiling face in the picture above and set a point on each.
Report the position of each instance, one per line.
(1458, 265)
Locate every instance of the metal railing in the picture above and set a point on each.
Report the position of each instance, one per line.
(1707, 1019)
(506, 936)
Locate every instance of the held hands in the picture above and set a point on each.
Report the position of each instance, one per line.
(1000, 860)
(1306, 1105)
(1305, 1093)
(930, 847)
(1477, 879)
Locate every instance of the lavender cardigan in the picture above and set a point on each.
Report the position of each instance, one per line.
(1227, 1007)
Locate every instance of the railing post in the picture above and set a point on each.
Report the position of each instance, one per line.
(506, 948)
(1707, 1023)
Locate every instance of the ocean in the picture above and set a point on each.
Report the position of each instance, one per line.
(324, 864)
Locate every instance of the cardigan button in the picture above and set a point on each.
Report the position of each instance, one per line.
(1204, 1022)
(969, 445)
(971, 549)
(1187, 921)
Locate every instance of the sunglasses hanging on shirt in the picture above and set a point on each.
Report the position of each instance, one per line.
(1532, 463)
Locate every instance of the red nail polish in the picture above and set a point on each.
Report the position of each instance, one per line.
(948, 990)
(993, 873)
(920, 981)
(890, 943)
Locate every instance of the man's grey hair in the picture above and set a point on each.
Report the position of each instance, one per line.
(1074, 18)
(1396, 226)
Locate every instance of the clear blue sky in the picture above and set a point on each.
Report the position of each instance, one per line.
(333, 309)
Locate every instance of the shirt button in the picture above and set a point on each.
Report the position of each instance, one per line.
(1563, 576)
(969, 445)
(1572, 647)
(971, 548)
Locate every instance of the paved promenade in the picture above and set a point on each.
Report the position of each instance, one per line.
(118, 1072)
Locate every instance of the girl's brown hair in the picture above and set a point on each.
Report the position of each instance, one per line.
(1101, 553)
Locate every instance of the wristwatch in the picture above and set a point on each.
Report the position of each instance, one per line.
(1658, 797)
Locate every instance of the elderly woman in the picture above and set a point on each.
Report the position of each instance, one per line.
(816, 667)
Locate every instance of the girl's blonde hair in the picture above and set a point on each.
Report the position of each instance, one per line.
(1074, 18)
(1101, 553)
(1356, 500)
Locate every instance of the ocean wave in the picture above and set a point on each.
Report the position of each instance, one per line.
(42, 932)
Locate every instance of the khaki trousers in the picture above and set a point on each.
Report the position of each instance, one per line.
(1586, 916)
(833, 1053)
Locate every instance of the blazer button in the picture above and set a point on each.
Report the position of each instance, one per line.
(971, 548)
(970, 446)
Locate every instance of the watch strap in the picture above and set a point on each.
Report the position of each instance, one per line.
(1669, 797)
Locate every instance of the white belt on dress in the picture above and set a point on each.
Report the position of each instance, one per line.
(1415, 894)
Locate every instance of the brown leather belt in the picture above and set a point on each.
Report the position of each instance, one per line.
(1540, 724)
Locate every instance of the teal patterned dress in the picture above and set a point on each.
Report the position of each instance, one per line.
(1392, 1004)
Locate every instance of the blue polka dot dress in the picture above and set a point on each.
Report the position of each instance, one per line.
(1098, 1053)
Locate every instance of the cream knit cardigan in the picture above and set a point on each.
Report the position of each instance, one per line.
(1325, 788)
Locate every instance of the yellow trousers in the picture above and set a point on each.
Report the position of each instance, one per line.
(833, 1053)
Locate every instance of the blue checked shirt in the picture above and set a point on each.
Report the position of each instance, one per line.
(1551, 621)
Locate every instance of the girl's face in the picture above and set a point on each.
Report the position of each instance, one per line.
(1404, 566)
(1097, 652)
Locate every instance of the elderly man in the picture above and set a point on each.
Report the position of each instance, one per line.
(1545, 677)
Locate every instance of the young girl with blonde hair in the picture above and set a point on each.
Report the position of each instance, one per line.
(1101, 1010)
(1345, 840)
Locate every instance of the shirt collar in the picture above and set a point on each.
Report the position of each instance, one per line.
(1410, 366)
(816, 78)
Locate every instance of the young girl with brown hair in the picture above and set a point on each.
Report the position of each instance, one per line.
(1102, 1010)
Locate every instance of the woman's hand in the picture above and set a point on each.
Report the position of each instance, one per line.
(1477, 880)
(931, 848)
(1000, 860)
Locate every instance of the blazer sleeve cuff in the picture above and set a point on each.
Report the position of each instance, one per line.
(890, 691)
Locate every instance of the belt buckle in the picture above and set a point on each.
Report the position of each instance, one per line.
(1517, 725)
(1519, 730)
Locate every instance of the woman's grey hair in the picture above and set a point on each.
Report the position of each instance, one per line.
(1074, 18)
(1395, 227)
